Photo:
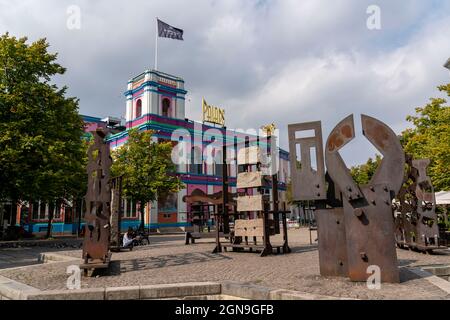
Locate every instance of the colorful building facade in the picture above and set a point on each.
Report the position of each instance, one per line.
(156, 101)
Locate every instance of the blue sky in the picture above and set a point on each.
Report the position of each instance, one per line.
(283, 61)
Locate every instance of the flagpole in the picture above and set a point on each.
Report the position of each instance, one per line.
(156, 45)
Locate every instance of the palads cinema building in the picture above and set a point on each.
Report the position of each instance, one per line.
(156, 101)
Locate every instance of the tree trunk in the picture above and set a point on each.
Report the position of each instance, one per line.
(115, 213)
(79, 218)
(142, 210)
(51, 207)
(13, 212)
(74, 216)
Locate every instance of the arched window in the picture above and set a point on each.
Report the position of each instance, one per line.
(138, 108)
(166, 107)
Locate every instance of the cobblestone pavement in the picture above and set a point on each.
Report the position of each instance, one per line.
(16, 257)
(21, 256)
(168, 260)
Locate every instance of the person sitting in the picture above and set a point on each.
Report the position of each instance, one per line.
(128, 238)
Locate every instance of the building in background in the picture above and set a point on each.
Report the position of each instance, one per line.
(156, 101)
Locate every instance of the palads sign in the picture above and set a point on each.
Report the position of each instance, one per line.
(213, 114)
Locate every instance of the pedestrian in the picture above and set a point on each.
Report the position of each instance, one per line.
(128, 238)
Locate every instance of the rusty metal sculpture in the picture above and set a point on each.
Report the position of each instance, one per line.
(216, 198)
(96, 253)
(416, 219)
(368, 209)
(314, 189)
(254, 219)
(355, 225)
(201, 205)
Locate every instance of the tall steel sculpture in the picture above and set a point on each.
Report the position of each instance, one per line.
(355, 224)
(416, 219)
(96, 253)
(315, 188)
(255, 222)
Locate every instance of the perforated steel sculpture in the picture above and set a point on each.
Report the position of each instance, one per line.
(255, 222)
(355, 224)
(416, 219)
(96, 243)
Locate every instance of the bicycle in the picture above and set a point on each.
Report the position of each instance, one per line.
(141, 238)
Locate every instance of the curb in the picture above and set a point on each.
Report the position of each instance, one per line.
(179, 289)
(440, 271)
(434, 280)
(254, 292)
(13, 290)
(49, 257)
(56, 243)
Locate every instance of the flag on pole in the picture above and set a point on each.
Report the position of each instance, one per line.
(167, 31)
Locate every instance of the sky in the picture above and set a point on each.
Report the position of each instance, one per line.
(263, 61)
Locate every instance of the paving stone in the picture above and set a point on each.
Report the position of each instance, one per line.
(436, 281)
(167, 261)
(438, 270)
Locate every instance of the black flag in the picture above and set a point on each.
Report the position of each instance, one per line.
(167, 31)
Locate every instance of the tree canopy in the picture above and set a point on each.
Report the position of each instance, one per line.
(41, 152)
(430, 138)
(364, 172)
(146, 168)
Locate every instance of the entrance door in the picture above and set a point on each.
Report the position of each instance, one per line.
(69, 217)
(8, 215)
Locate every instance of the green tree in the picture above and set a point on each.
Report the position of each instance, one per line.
(430, 138)
(41, 152)
(364, 172)
(147, 169)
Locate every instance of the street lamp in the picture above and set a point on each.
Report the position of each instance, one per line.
(447, 64)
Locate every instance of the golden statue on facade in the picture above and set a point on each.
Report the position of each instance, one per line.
(269, 129)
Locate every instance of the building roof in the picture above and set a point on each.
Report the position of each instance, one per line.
(90, 118)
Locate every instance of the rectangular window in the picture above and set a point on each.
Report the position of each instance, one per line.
(122, 208)
(129, 208)
(68, 214)
(57, 210)
(218, 169)
(42, 210)
(35, 208)
(137, 209)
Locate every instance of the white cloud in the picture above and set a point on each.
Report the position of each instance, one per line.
(284, 61)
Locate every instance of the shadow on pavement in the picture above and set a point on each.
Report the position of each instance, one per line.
(25, 256)
(123, 266)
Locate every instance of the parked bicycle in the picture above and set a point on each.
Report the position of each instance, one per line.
(140, 238)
